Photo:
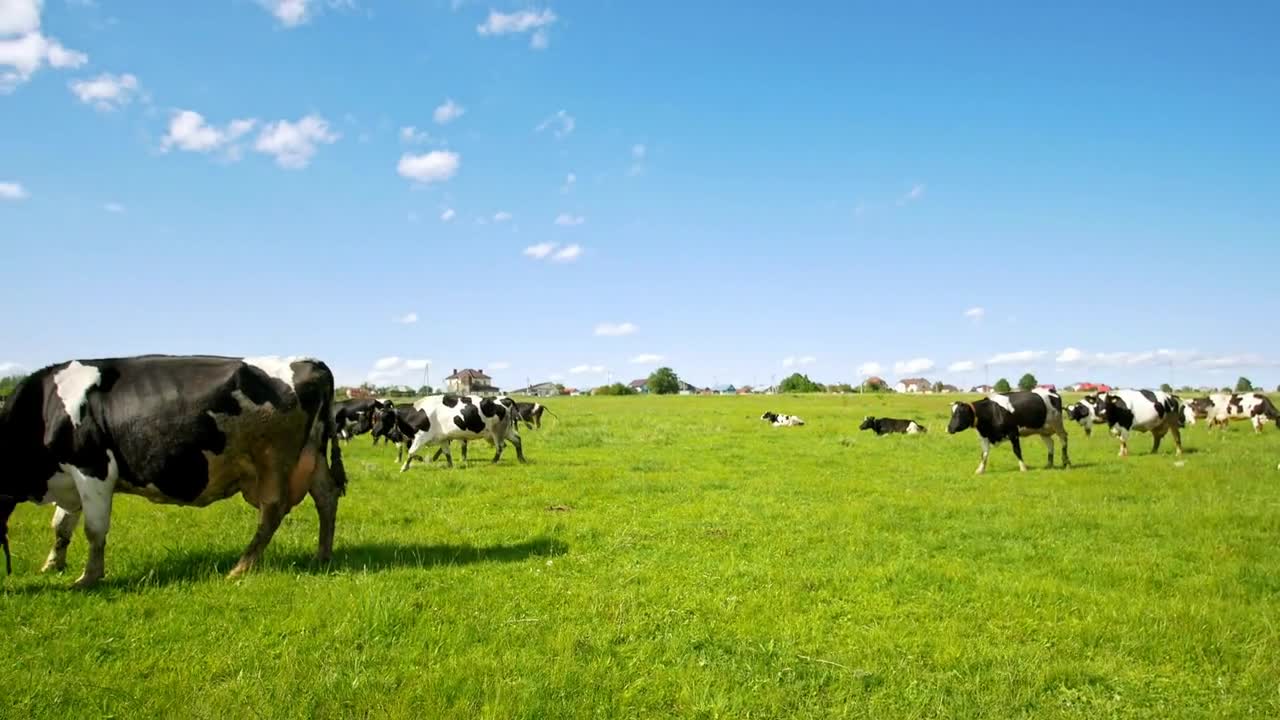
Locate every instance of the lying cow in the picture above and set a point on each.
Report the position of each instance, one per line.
(176, 430)
(1087, 412)
(1011, 416)
(440, 420)
(1153, 411)
(782, 420)
(884, 426)
(1252, 406)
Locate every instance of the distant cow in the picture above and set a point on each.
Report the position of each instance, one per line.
(355, 417)
(1196, 409)
(1011, 416)
(1252, 406)
(183, 430)
(883, 426)
(1087, 412)
(439, 420)
(531, 413)
(1153, 411)
(782, 420)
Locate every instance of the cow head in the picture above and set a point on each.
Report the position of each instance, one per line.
(963, 417)
(383, 423)
(868, 422)
(769, 416)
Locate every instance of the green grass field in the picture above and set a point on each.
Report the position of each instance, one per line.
(679, 557)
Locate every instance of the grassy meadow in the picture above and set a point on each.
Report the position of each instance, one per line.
(677, 556)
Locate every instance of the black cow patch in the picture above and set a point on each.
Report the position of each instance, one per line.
(469, 419)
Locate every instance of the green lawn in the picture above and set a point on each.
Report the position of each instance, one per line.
(679, 557)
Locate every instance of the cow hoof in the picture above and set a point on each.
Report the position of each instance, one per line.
(85, 582)
(1022, 468)
(52, 565)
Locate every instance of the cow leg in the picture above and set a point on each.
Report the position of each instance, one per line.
(95, 504)
(519, 446)
(1066, 456)
(419, 439)
(1016, 442)
(1156, 436)
(270, 513)
(498, 445)
(1124, 441)
(324, 491)
(1177, 441)
(1048, 443)
(464, 453)
(448, 453)
(1257, 421)
(986, 451)
(64, 528)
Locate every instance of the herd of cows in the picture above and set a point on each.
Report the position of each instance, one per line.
(192, 430)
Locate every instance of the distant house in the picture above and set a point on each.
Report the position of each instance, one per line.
(542, 389)
(1089, 387)
(984, 389)
(1047, 386)
(356, 393)
(687, 389)
(913, 385)
(641, 386)
(468, 381)
(572, 391)
(875, 382)
(950, 389)
(746, 390)
(724, 390)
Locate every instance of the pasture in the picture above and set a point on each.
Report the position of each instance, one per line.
(679, 557)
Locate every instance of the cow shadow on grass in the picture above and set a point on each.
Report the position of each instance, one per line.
(213, 564)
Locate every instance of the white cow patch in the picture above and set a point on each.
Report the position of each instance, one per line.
(74, 382)
(276, 366)
(1001, 400)
(913, 428)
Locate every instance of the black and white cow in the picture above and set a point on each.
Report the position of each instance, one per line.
(182, 430)
(1012, 416)
(531, 413)
(1196, 409)
(1252, 406)
(1153, 411)
(782, 420)
(355, 417)
(439, 420)
(884, 426)
(1089, 411)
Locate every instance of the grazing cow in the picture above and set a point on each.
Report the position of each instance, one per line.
(355, 417)
(1011, 416)
(1151, 411)
(782, 420)
(1197, 409)
(1087, 412)
(883, 426)
(439, 420)
(531, 413)
(182, 430)
(1252, 406)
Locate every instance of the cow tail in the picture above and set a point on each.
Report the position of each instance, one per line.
(7, 505)
(337, 471)
(1269, 409)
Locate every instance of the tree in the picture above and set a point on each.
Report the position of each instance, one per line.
(1027, 382)
(937, 386)
(559, 389)
(1243, 385)
(614, 389)
(7, 384)
(424, 390)
(664, 381)
(1166, 387)
(797, 383)
(1002, 385)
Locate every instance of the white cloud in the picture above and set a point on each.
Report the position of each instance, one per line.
(189, 131)
(106, 92)
(408, 318)
(646, 359)
(1225, 362)
(915, 193)
(294, 144)
(569, 182)
(568, 253)
(540, 250)
(1069, 356)
(561, 124)
(1014, 358)
(387, 363)
(499, 365)
(587, 369)
(435, 166)
(24, 49)
(448, 112)
(870, 368)
(290, 13)
(448, 215)
(12, 191)
(962, 366)
(975, 313)
(615, 329)
(569, 220)
(19, 17)
(913, 366)
(794, 361)
(521, 21)
(9, 368)
(114, 207)
(396, 369)
(501, 216)
(411, 135)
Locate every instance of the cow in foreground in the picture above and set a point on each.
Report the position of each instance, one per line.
(1012, 416)
(782, 420)
(1153, 411)
(884, 426)
(183, 430)
(439, 420)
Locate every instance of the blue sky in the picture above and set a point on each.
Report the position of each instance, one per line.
(576, 189)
